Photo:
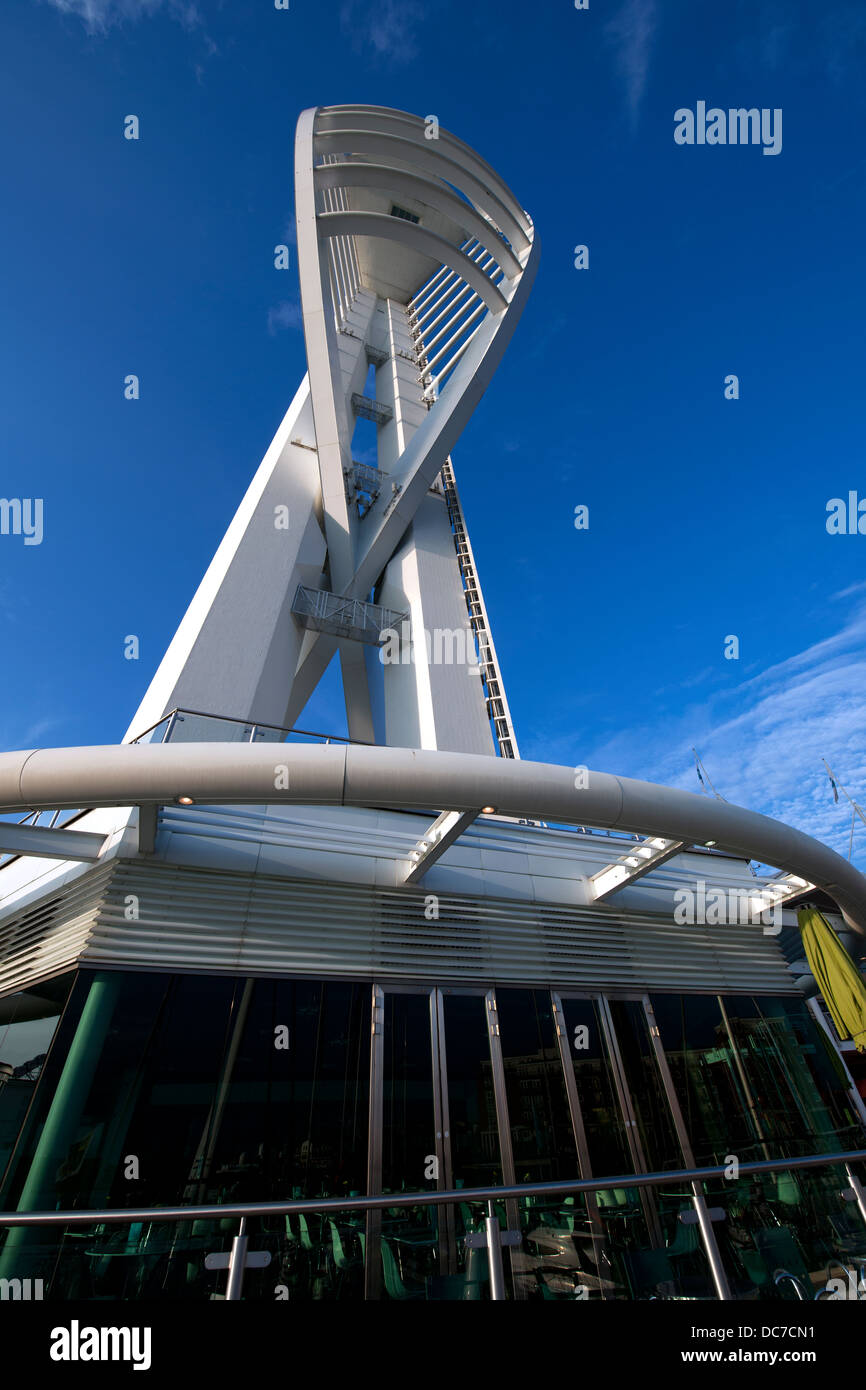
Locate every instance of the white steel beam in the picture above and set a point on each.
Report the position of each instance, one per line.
(446, 828)
(781, 889)
(639, 860)
(44, 843)
(439, 248)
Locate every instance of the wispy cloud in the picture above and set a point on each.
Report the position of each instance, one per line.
(98, 16)
(631, 33)
(852, 589)
(771, 40)
(286, 314)
(762, 741)
(18, 735)
(388, 27)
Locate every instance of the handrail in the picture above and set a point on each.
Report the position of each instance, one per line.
(253, 723)
(417, 1199)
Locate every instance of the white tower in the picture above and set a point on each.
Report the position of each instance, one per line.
(415, 262)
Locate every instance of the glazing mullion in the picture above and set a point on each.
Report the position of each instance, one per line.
(628, 1115)
(700, 1202)
(579, 1129)
(505, 1149)
(373, 1257)
(448, 1238)
(632, 1131)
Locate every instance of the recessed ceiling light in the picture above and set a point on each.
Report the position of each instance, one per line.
(709, 844)
(185, 801)
(487, 810)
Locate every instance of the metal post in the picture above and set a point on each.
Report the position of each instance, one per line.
(237, 1260)
(814, 1007)
(494, 1255)
(857, 1189)
(711, 1249)
(736, 1058)
(373, 1251)
(62, 1121)
(512, 1216)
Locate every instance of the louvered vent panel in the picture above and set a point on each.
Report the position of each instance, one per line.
(200, 920)
(167, 917)
(49, 936)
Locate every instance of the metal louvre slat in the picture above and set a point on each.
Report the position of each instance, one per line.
(221, 922)
(285, 926)
(48, 937)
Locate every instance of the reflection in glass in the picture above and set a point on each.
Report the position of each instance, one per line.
(193, 1089)
(542, 1140)
(542, 1137)
(619, 1211)
(756, 1080)
(409, 1240)
(28, 1022)
(471, 1100)
(650, 1104)
(599, 1104)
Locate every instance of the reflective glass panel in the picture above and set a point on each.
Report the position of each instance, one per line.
(542, 1136)
(28, 1023)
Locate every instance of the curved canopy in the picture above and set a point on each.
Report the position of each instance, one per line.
(355, 775)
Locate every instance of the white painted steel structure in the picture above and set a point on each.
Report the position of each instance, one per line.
(415, 261)
(349, 775)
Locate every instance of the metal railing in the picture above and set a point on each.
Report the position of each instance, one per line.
(253, 729)
(354, 618)
(493, 1233)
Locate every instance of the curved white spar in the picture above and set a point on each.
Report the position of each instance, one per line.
(330, 775)
(470, 245)
(414, 260)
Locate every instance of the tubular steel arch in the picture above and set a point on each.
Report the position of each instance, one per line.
(351, 775)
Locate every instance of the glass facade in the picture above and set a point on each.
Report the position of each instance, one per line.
(757, 1079)
(131, 1090)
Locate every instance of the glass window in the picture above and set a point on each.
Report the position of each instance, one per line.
(189, 1089)
(408, 1117)
(755, 1077)
(542, 1137)
(28, 1023)
(717, 1116)
(596, 1089)
(648, 1098)
(471, 1101)
(195, 1089)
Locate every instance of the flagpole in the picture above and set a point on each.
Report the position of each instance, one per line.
(856, 809)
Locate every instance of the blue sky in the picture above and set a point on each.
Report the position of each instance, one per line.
(707, 516)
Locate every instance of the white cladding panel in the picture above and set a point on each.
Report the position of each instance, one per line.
(236, 649)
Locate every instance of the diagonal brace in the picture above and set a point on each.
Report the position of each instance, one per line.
(446, 828)
(45, 843)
